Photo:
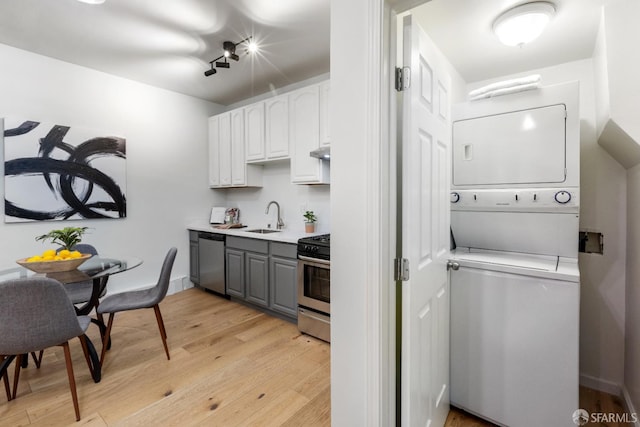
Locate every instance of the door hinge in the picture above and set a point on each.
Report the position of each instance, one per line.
(403, 78)
(401, 269)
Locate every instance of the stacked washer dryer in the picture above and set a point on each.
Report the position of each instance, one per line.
(515, 283)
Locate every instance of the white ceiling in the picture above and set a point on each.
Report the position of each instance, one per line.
(169, 43)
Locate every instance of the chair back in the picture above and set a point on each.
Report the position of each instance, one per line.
(35, 313)
(160, 290)
(85, 248)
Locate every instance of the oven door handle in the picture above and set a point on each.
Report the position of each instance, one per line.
(315, 260)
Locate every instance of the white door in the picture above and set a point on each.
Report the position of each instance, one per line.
(425, 233)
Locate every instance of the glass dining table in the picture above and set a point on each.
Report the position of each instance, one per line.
(96, 269)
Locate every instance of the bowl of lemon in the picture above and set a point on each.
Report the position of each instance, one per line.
(51, 261)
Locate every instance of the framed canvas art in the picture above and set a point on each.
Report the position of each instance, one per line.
(56, 172)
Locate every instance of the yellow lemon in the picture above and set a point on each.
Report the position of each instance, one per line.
(49, 252)
(64, 253)
(34, 258)
(47, 257)
(57, 258)
(75, 254)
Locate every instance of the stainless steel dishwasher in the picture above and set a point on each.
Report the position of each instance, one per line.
(211, 262)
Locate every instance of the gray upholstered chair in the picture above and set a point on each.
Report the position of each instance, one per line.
(144, 298)
(80, 293)
(35, 314)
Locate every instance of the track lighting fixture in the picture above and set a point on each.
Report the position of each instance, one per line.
(229, 51)
(210, 72)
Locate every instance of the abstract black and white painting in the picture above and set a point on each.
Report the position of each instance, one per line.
(56, 172)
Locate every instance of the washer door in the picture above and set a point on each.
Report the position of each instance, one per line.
(514, 347)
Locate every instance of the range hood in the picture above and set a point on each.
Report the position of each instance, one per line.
(322, 153)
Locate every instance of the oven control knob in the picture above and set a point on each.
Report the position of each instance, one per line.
(563, 197)
(455, 197)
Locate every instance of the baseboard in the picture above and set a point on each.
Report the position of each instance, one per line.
(177, 284)
(629, 405)
(600, 385)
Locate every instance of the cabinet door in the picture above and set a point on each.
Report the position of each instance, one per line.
(238, 165)
(235, 272)
(224, 158)
(214, 151)
(277, 127)
(257, 278)
(194, 268)
(254, 131)
(304, 131)
(283, 285)
(325, 128)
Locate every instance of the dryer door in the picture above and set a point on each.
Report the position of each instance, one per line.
(520, 147)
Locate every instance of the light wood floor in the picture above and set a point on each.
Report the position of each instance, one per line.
(230, 366)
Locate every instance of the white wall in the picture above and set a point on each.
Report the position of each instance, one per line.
(603, 208)
(348, 202)
(623, 59)
(166, 158)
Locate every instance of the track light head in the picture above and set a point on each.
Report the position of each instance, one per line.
(224, 64)
(210, 72)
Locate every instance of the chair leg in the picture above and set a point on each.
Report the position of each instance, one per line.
(37, 359)
(16, 375)
(163, 332)
(5, 378)
(72, 379)
(105, 339)
(4, 367)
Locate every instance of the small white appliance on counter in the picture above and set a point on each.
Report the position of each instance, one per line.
(515, 283)
(223, 215)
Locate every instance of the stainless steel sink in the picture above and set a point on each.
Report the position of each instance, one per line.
(263, 231)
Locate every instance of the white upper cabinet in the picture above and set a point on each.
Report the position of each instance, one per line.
(304, 131)
(254, 131)
(238, 166)
(224, 157)
(227, 164)
(214, 151)
(325, 136)
(277, 127)
(287, 126)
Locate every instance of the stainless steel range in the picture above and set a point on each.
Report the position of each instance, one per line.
(314, 286)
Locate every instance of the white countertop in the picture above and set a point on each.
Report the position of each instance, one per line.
(286, 236)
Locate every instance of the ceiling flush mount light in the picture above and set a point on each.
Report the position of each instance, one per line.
(523, 23)
(92, 1)
(229, 52)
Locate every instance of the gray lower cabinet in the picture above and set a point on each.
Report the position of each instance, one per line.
(234, 260)
(263, 273)
(194, 268)
(283, 280)
(257, 278)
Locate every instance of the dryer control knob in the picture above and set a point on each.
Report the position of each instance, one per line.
(563, 197)
(455, 197)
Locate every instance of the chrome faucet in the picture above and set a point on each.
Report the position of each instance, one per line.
(280, 223)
